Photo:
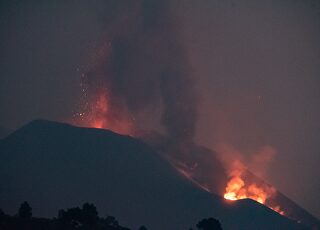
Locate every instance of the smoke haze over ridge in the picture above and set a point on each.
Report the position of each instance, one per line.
(255, 66)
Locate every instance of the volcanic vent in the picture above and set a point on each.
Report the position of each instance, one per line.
(138, 80)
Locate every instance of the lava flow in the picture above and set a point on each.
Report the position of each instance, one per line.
(237, 189)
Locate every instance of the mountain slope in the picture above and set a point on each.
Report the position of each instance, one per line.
(202, 166)
(4, 132)
(53, 166)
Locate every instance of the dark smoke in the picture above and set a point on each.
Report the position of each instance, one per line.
(142, 66)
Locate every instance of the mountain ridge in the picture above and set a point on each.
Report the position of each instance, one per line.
(56, 165)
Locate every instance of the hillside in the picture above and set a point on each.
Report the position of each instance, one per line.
(53, 166)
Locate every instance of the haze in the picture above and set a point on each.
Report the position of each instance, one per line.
(256, 65)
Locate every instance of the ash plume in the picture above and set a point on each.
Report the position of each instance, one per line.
(141, 66)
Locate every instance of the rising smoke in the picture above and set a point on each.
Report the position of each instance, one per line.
(141, 66)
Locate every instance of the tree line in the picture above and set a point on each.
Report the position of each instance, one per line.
(77, 218)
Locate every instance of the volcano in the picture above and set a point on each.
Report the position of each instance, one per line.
(54, 165)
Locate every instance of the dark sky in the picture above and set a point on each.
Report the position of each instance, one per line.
(256, 65)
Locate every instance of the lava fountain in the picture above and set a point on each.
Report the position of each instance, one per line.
(98, 114)
(238, 188)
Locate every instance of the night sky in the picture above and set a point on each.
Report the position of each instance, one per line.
(256, 66)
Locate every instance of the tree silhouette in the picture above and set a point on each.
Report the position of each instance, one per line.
(84, 218)
(143, 228)
(25, 211)
(73, 217)
(89, 214)
(111, 221)
(209, 224)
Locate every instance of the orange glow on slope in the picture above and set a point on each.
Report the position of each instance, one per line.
(237, 189)
(278, 210)
(99, 115)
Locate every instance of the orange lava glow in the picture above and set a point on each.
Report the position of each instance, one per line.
(277, 209)
(99, 115)
(237, 189)
(99, 112)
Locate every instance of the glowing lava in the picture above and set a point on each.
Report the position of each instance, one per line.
(99, 114)
(99, 110)
(237, 189)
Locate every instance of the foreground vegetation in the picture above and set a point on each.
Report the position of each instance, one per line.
(84, 218)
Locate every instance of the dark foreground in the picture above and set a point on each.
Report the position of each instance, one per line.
(84, 218)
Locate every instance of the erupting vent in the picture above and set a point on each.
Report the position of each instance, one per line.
(237, 189)
(98, 114)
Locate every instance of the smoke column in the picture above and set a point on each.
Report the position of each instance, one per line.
(141, 67)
